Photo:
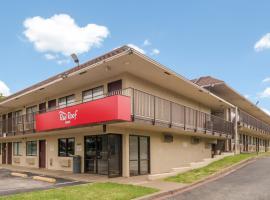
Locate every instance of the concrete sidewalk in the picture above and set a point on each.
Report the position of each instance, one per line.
(152, 180)
(91, 178)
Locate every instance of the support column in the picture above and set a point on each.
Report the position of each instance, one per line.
(236, 135)
(125, 151)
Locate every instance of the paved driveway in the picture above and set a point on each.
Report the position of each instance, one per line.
(251, 182)
(13, 185)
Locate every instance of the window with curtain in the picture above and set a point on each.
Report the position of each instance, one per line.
(66, 101)
(31, 148)
(92, 94)
(17, 148)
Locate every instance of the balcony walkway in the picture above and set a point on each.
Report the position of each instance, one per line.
(143, 106)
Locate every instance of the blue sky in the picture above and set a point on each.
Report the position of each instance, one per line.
(194, 38)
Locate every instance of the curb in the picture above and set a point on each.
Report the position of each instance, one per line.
(19, 175)
(44, 179)
(208, 179)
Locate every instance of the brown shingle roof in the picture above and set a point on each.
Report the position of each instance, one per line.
(206, 81)
(74, 69)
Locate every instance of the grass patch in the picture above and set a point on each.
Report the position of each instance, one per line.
(100, 191)
(198, 174)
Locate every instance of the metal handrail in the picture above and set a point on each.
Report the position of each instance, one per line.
(251, 122)
(144, 105)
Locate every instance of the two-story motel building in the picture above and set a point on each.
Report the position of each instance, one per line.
(252, 122)
(123, 113)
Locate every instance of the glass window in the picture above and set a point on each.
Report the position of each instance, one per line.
(98, 92)
(18, 117)
(62, 102)
(31, 109)
(30, 112)
(93, 94)
(31, 148)
(66, 147)
(139, 155)
(66, 101)
(17, 148)
(52, 104)
(87, 95)
(70, 100)
(0, 148)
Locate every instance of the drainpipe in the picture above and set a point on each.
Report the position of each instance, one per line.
(236, 135)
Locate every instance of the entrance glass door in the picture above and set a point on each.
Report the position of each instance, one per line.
(90, 154)
(139, 155)
(115, 155)
(103, 154)
(96, 154)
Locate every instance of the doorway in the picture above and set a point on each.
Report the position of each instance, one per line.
(42, 107)
(4, 153)
(9, 126)
(257, 145)
(139, 155)
(9, 153)
(42, 154)
(4, 124)
(103, 154)
(115, 87)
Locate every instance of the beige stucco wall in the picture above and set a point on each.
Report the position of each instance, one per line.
(164, 156)
(76, 91)
(146, 86)
(128, 80)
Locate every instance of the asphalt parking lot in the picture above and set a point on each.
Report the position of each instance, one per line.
(248, 183)
(13, 185)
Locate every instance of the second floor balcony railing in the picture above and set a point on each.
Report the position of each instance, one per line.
(251, 122)
(146, 108)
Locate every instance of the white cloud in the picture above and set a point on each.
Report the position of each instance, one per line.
(137, 48)
(263, 43)
(265, 93)
(146, 42)
(49, 56)
(4, 89)
(60, 34)
(266, 80)
(246, 96)
(155, 52)
(63, 61)
(266, 111)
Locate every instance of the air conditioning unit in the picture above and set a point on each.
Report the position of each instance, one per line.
(168, 138)
(195, 140)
